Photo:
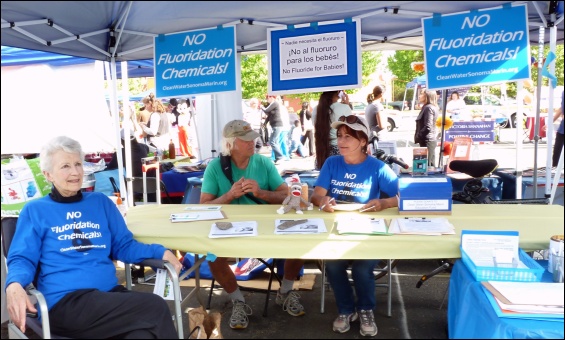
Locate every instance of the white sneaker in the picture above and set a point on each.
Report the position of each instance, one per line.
(341, 323)
(368, 325)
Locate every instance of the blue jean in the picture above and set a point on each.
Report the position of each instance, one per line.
(274, 141)
(363, 280)
(298, 147)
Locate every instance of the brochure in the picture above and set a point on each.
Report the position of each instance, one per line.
(355, 224)
(303, 226)
(237, 229)
(202, 215)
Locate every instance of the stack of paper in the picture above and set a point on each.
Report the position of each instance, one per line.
(525, 297)
(421, 226)
(355, 224)
(238, 229)
(306, 226)
(197, 215)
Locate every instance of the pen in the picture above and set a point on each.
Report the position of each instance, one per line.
(369, 208)
(323, 206)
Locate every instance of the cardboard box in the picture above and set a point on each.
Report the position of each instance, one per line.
(431, 195)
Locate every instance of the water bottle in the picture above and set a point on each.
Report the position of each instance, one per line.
(172, 150)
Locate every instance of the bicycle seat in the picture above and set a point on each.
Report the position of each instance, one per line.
(478, 168)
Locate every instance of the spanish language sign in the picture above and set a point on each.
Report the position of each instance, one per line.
(477, 47)
(195, 62)
(315, 58)
(478, 131)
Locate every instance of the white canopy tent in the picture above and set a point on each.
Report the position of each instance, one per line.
(124, 30)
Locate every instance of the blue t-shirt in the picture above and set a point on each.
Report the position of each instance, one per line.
(357, 183)
(73, 244)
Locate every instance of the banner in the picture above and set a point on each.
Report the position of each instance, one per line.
(478, 47)
(195, 62)
(479, 131)
(318, 57)
(22, 181)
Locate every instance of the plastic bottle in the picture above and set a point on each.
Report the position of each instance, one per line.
(476, 153)
(172, 150)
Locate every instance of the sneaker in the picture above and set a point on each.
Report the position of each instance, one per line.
(290, 303)
(368, 325)
(341, 323)
(239, 313)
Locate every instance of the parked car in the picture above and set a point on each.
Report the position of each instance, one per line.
(397, 105)
(487, 106)
(393, 121)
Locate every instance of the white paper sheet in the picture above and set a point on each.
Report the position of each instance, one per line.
(311, 226)
(239, 229)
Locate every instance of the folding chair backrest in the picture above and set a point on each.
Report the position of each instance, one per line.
(151, 186)
(8, 231)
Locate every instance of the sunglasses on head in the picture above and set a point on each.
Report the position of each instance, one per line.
(351, 119)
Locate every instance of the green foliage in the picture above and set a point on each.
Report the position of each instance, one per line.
(400, 65)
(254, 76)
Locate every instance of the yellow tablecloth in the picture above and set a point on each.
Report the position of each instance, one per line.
(150, 224)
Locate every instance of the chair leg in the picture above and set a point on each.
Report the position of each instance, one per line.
(323, 289)
(211, 292)
(273, 275)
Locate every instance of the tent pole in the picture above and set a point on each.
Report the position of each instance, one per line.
(126, 125)
(550, 113)
(538, 103)
(519, 131)
(443, 113)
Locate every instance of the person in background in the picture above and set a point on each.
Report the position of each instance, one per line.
(145, 111)
(254, 180)
(455, 107)
(372, 177)
(139, 150)
(374, 112)
(273, 113)
(254, 117)
(158, 128)
(284, 137)
(174, 109)
(558, 143)
(325, 113)
(425, 134)
(183, 124)
(74, 266)
(295, 143)
(307, 127)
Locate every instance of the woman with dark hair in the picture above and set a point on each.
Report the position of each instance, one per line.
(374, 110)
(327, 112)
(307, 127)
(335, 183)
(425, 134)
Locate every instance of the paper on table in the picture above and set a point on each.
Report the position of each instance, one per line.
(530, 293)
(354, 224)
(239, 229)
(348, 207)
(197, 216)
(438, 227)
(202, 207)
(481, 248)
(311, 226)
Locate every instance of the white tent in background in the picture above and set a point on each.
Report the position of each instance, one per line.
(40, 102)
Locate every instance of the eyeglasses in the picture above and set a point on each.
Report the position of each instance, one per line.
(351, 119)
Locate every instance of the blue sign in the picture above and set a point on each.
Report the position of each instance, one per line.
(318, 57)
(478, 47)
(479, 131)
(195, 62)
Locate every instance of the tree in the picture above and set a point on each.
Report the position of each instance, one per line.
(254, 76)
(400, 65)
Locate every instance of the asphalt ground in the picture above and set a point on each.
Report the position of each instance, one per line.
(416, 312)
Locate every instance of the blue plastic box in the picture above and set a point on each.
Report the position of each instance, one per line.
(425, 195)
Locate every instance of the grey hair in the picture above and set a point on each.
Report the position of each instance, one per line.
(227, 145)
(56, 144)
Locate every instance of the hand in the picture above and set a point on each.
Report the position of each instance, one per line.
(373, 205)
(237, 190)
(172, 259)
(17, 303)
(327, 203)
(250, 186)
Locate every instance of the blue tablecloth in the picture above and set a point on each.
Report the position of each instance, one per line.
(176, 181)
(471, 316)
